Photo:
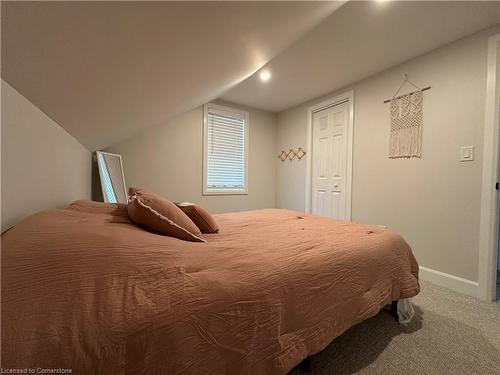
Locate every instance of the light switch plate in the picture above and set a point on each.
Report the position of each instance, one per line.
(466, 153)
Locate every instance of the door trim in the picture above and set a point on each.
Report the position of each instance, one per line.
(488, 228)
(346, 97)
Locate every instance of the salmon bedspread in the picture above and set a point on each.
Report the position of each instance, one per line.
(85, 289)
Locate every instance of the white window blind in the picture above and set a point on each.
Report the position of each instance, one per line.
(225, 162)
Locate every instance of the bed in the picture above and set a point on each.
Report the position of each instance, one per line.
(83, 288)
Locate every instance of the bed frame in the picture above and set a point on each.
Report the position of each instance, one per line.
(305, 365)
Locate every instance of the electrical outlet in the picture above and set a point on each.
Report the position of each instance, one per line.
(466, 153)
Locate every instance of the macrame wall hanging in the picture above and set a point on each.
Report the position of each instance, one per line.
(406, 113)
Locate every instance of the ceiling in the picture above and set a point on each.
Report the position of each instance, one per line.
(357, 41)
(107, 70)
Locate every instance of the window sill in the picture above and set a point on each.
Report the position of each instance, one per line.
(225, 192)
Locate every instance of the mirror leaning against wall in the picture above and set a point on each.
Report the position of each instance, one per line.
(112, 178)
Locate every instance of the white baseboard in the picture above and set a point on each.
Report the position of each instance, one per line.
(458, 284)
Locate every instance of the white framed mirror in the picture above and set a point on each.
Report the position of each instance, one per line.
(112, 178)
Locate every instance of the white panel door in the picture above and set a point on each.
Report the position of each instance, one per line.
(329, 161)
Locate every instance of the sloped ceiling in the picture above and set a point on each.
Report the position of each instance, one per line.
(357, 41)
(106, 70)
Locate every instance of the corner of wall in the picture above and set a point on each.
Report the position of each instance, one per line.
(43, 166)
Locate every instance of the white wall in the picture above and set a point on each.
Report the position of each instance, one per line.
(434, 202)
(42, 165)
(167, 159)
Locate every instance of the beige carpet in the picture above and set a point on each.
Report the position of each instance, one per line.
(450, 334)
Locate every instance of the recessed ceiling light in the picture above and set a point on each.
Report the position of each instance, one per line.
(265, 75)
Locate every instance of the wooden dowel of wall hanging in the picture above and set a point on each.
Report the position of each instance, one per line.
(424, 89)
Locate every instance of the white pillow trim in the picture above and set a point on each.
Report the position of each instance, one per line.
(141, 203)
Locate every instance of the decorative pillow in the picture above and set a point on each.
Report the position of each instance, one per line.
(201, 217)
(159, 215)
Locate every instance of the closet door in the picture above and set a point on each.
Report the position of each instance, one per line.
(329, 161)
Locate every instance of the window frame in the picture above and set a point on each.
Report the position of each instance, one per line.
(231, 110)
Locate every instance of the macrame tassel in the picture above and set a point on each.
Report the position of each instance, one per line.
(406, 143)
(406, 126)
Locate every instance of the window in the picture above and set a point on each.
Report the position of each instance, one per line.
(225, 151)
